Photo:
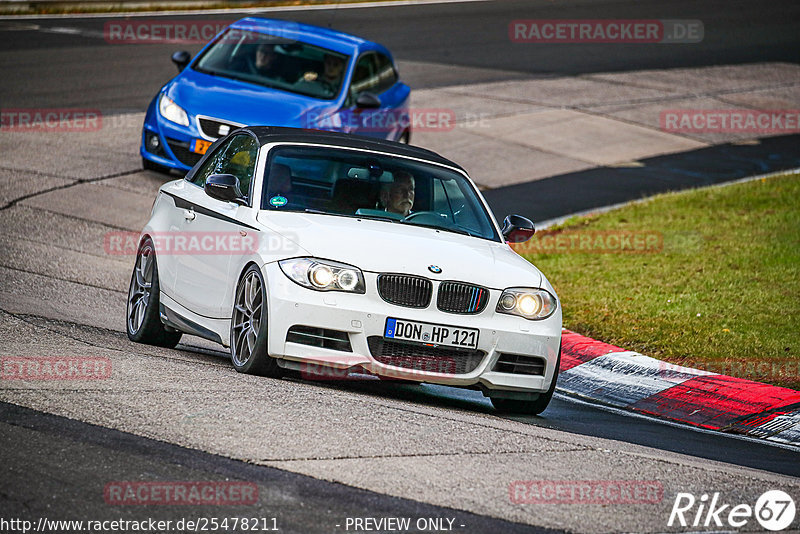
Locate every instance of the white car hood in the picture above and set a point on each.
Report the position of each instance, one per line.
(381, 246)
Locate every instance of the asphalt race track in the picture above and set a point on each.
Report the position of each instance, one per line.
(323, 452)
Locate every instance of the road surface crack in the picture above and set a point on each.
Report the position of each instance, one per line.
(77, 181)
(42, 324)
(420, 455)
(51, 277)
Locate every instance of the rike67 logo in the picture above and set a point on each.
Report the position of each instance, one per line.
(774, 510)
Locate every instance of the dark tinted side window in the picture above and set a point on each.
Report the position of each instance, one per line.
(364, 76)
(209, 167)
(237, 157)
(386, 74)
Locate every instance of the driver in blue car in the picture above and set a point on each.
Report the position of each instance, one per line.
(397, 196)
(264, 61)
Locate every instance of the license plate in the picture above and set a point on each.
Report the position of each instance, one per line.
(200, 146)
(432, 334)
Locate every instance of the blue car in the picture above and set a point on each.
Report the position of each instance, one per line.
(279, 73)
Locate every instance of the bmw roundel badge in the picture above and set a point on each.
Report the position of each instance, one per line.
(435, 269)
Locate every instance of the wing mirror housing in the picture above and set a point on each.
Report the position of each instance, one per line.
(181, 58)
(517, 229)
(367, 100)
(224, 187)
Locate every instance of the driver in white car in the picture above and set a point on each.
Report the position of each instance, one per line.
(397, 196)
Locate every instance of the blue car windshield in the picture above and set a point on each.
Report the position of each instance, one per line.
(269, 61)
(370, 185)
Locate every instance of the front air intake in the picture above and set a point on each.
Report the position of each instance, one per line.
(520, 365)
(319, 337)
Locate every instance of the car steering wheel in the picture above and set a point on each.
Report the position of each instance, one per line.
(439, 217)
(412, 216)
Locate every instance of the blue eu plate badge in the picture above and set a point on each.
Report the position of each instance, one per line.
(390, 327)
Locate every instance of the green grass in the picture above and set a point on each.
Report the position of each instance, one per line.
(722, 293)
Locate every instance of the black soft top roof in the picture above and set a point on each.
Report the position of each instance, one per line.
(276, 134)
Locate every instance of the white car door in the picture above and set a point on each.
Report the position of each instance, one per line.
(167, 222)
(213, 234)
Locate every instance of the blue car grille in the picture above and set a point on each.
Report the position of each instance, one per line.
(458, 297)
(182, 152)
(216, 129)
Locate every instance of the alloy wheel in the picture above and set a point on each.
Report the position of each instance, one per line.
(247, 315)
(141, 286)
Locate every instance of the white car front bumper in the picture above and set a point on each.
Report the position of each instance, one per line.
(363, 316)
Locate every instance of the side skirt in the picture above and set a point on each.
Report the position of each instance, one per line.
(174, 316)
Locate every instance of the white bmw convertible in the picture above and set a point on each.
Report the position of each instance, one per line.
(315, 252)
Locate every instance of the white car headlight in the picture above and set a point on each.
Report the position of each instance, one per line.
(324, 275)
(534, 304)
(172, 111)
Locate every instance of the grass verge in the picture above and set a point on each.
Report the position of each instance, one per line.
(708, 278)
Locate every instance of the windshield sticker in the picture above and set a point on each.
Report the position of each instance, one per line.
(278, 201)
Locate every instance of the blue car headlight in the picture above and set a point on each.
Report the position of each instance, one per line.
(324, 275)
(172, 111)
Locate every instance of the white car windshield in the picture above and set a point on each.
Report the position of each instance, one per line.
(378, 186)
(265, 60)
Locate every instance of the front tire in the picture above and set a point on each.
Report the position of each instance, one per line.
(142, 312)
(249, 327)
(524, 407)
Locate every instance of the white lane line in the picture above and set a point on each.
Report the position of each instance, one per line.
(58, 29)
(276, 9)
(73, 31)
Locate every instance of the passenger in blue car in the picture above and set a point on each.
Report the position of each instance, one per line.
(332, 70)
(267, 62)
